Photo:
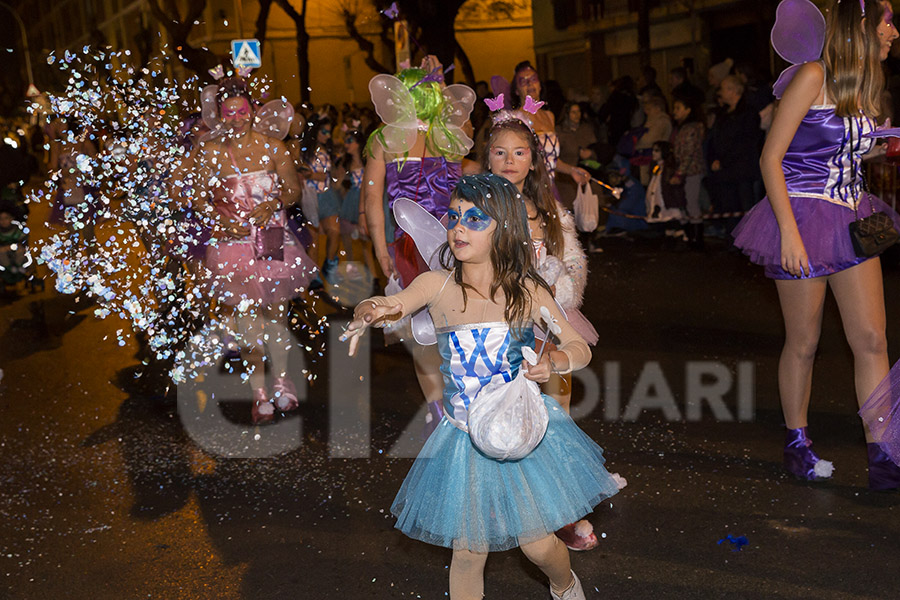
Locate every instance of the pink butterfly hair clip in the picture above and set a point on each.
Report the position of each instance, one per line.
(218, 72)
(495, 103)
(531, 106)
(244, 71)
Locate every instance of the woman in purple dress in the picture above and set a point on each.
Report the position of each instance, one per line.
(415, 154)
(811, 166)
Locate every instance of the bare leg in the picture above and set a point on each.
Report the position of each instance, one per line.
(277, 337)
(467, 575)
(332, 229)
(859, 292)
(802, 302)
(251, 330)
(550, 555)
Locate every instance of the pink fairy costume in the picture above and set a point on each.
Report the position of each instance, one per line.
(267, 266)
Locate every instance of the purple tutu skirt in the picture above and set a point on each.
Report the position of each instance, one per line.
(881, 413)
(823, 228)
(238, 275)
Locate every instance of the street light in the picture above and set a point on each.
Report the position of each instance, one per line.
(24, 42)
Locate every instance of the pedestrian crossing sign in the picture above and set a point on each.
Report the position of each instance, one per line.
(245, 53)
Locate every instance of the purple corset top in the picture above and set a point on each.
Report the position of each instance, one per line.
(825, 157)
(429, 181)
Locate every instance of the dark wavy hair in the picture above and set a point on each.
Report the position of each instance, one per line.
(537, 186)
(512, 254)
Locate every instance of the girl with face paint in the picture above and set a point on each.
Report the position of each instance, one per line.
(245, 181)
(514, 154)
(811, 165)
(484, 305)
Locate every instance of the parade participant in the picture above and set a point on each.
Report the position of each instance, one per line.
(811, 165)
(415, 154)
(526, 84)
(484, 305)
(351, 172)
(513, 153)
(256, 262)
(317, 155)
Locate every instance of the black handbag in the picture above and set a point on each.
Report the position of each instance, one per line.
(873, 234)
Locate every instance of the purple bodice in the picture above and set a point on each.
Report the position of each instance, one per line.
(820, 162)
(429, 181)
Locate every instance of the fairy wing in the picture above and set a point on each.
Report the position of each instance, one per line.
(459, 100)
(274, 119)
(798, 37)
(426, 231)
(428, 235)
(395, 105)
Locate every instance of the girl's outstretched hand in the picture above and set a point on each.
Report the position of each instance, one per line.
(540, 372)
(365, 315)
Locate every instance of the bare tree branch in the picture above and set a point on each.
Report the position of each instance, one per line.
(364, 44)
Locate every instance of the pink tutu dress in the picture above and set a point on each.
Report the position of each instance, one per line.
(267, 266)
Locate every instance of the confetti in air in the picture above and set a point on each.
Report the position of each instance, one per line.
(131, 237)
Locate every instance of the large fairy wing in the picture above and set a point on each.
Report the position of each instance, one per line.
(209, 108)
(428, 234)
(798, 37)
(274, 119)
(426, 231)
(459, 100)
(394, 104)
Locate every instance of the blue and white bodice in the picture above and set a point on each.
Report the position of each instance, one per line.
(474, 355)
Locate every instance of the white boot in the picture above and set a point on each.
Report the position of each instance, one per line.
(576, 592)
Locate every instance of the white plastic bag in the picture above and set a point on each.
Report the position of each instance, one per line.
(587, 209)
(309, 204)
(508, 420)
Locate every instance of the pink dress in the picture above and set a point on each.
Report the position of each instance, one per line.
(265, 267)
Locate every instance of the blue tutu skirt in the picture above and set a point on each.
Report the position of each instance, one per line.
(455, 496)
(824, 229)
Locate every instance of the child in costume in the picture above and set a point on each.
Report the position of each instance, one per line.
(811, 166)
(317, 155)
(513, 152)
(665, 199)
(416, 154)
(256, 262)
(353, 168)
(484, 305)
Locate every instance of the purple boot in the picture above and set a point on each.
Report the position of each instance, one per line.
(800, 460)
(883, 473)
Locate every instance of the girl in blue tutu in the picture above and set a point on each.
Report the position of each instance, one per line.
(484, 304)
(811, 165)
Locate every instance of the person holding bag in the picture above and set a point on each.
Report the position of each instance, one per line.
(484, 304)
(801, 233)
